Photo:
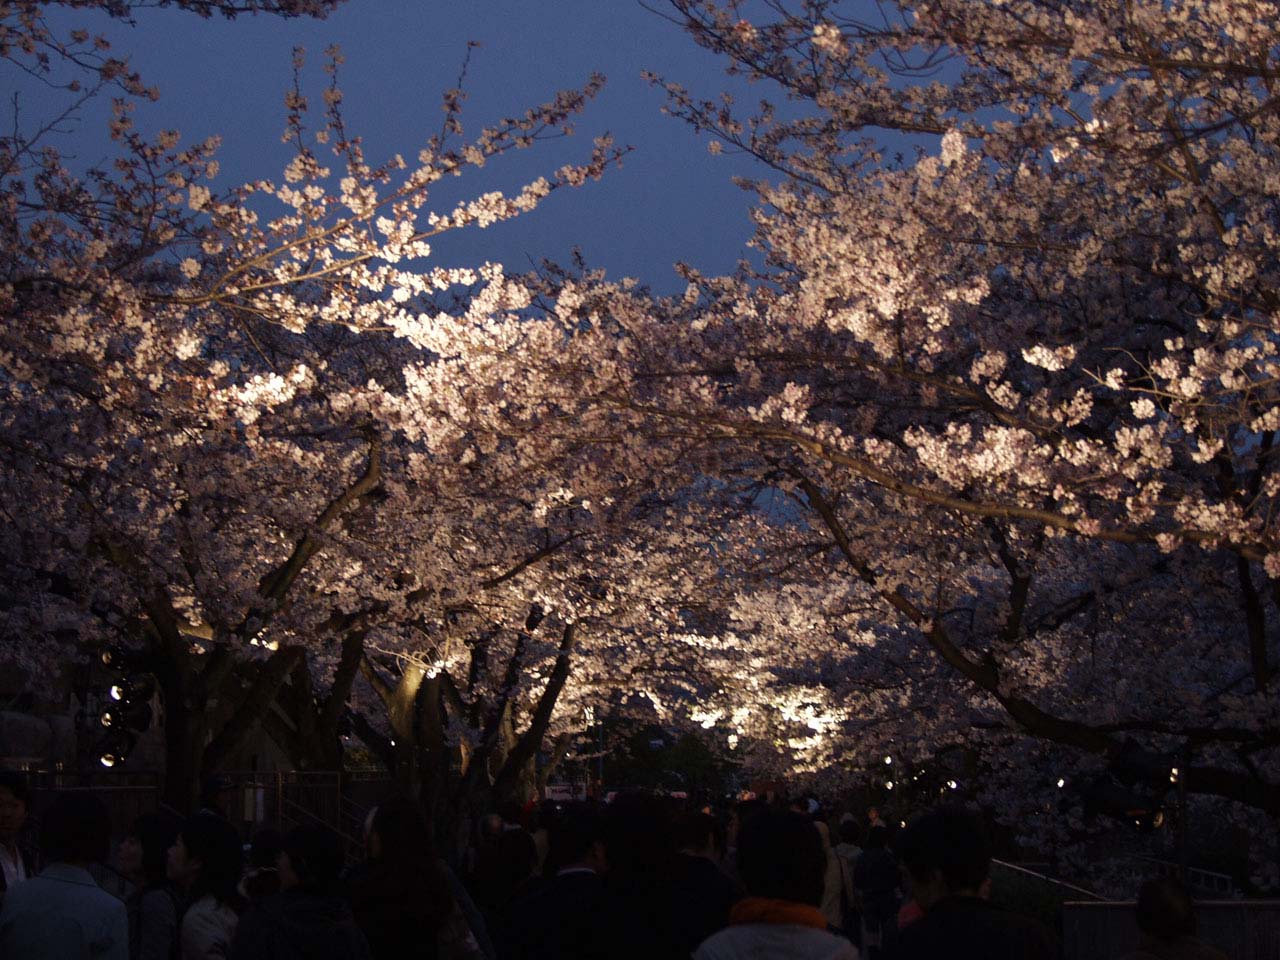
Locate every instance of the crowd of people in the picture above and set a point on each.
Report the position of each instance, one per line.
(639, 878)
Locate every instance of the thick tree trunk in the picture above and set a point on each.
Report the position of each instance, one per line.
(184, 734)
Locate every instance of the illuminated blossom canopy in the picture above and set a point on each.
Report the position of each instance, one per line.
(971, 467)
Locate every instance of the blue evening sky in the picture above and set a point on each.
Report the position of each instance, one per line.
(670, 201)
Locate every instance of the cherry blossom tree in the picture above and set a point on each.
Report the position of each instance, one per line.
(1017, 384)
(220, 409)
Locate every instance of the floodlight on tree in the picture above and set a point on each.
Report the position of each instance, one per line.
(128, 716)
(133, 690)
(115, 749)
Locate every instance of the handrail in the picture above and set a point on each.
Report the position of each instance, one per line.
(1053, 880)
(1220, 880)
(291, 805)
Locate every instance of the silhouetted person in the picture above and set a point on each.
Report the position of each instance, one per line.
(640, 841)
(215, 794)
(204, 862)
(876, 878)
(401, 895)
(1167, 919)
(699, 893)
(504, 873)
(505, 859)
(17, 862)
(782, 862)
(262, 877)
(307, 919)
(571, 916)
(948, 856)
(61, 914)
(155, 904)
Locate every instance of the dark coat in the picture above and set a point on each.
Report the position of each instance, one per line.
(401, 916)
(700, 896)
(299, 925)
(571, 917)
(970, 928)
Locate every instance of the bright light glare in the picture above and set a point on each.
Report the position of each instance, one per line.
(117, 692)
(1061, 783)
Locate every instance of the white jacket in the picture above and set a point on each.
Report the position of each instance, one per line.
(207, 929)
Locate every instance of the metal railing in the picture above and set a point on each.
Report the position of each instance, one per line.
(1206, 883)
(1242, 929)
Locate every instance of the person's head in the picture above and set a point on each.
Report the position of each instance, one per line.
(400, 834)
(639, 834)
(780, 856)
(143, 853)
(947, 853)
(490, 826)
(873, 815)
(265, 848)
(850, 832)
(311, 860)
(739, 814)
(577, 839)
(76, 828)
(213, 793)
(206, 857)
(1165, 911)
(701, 835)
(15, 796)
(510, 813)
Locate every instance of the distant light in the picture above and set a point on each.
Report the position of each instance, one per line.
(888, 784)
(902, 823)
(393, 743)
(1173, 775)
(888, 760)
(951, 784)
(1061, 783)
(107, 719)
(117, 692)
(108, 759)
